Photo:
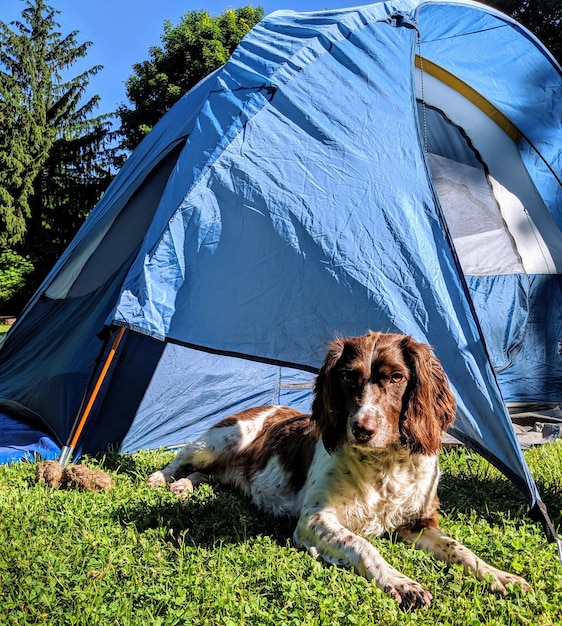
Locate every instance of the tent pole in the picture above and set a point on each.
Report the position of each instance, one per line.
(97, 364)
(68, 449)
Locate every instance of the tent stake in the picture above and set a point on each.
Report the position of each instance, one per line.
(68, 449)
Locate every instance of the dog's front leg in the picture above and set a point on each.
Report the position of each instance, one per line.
(324, 537)
(451, 551)
(168, 474)
(184, 461)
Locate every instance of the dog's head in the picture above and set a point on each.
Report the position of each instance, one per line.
(382, 389)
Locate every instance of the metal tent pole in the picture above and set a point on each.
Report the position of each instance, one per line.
(68, 448)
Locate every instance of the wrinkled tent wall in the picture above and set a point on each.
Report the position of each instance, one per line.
(48, 356)
(183, 401)
(276, 221)
(518, 303)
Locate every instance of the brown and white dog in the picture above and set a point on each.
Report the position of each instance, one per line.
(363, 463)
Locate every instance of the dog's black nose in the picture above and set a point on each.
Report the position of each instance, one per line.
(363, 432)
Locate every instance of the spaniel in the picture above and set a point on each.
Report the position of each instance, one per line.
(363, 463)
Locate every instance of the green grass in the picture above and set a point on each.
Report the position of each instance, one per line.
(133, 555)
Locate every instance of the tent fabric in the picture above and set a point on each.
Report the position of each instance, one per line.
(208, 385)
(241, 220)
(523, 81)
(21, 441)
(47, 361)
(23, 435)
(527, 340)
(316, 185)
(478, 142)
(168, 134)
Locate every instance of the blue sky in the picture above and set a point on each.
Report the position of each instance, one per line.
(122, 31)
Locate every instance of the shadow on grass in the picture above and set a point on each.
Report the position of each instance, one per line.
(220, 514)
(494, 499)
(212, 514)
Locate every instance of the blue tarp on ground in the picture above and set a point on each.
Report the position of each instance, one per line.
(20, 441)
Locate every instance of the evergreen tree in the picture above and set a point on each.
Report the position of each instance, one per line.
(72, 180)
(42, 115)
(194, 48)
(55, 157)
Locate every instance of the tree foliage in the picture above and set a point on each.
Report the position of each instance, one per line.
(13, 271)
(194, 48)
(542, 17)
(55, 158)
(68, 186)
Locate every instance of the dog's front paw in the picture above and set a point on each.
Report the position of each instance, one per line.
(182, 488)
(156, 479)
(501, 579)
(408, 593)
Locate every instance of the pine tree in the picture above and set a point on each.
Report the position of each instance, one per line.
(39, 107)
(56, 157)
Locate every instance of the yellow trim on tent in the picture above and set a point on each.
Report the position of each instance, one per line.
(470, 94)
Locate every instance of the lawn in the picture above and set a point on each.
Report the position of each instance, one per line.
(133, 555)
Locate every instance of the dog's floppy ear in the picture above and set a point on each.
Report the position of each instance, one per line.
(430, 404)
(326, 414)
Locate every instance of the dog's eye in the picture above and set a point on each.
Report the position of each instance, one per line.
(396, 377)
(348, 378)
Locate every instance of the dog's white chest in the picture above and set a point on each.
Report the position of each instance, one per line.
(372, 496)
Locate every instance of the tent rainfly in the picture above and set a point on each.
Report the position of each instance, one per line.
(395, 167)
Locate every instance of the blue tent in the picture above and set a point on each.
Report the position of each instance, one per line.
(395, 166)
